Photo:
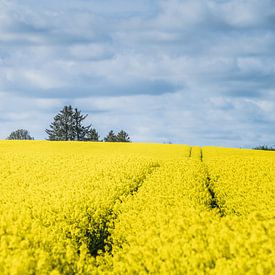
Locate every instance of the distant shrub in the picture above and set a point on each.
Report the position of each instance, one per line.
(264, 147)
(20, 134)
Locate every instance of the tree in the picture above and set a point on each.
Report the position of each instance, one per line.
(68, 125)
(61, 127)
(122, 136)
(20, 134)
(80, 131)
(92, 135)
(111, 137)
(264, 147)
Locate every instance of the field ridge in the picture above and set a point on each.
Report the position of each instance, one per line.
(196, 152)
(100, 239)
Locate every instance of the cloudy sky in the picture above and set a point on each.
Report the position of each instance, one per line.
(197, 72)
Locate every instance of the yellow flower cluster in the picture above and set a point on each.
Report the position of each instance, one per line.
(159, 229)
(243, 180)
(175, 223)
(196, 152)
(123, 208)
(56, 199)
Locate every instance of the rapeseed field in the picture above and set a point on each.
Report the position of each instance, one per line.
(129, 208)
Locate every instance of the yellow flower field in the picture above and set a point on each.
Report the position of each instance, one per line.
(129, 208)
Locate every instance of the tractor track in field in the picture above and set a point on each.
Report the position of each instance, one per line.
(209, 185)
(98, 240)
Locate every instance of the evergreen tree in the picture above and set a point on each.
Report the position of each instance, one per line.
(20, 134)
(92, 135)
(62, 126)
(111, 137)
(122, 136)
(67, 125)
(80, 131)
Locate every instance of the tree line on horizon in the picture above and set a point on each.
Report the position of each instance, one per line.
(68, 125)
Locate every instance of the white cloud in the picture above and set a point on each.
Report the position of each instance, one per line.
(40, 80)
(163, 70)
(90, 51)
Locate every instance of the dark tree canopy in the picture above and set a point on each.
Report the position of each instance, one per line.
(264, 147)
(92, 135)
(122, 136)
(68, 125)
(111, 137)
(20, 134)
(79, 130)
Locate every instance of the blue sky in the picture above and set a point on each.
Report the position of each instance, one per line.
(197, 72)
